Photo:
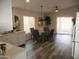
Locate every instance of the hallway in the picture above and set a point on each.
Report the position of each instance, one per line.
(60, 48)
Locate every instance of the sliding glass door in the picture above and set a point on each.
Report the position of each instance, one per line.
(64, 25)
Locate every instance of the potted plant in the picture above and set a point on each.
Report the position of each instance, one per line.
(47, 20)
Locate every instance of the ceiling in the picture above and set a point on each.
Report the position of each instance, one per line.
(48, 5)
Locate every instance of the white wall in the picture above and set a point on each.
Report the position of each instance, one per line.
(5, 15)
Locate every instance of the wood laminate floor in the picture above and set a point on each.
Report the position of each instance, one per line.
(58, 48)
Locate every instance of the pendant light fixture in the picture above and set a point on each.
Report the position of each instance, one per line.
(40, 20)
(41, 12)
(56, 10)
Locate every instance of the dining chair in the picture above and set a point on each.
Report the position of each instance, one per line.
(35, 34)
(51, 35)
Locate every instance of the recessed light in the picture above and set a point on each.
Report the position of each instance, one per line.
(27, 1)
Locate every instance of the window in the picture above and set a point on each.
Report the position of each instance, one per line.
(64, 25)
(29, 22)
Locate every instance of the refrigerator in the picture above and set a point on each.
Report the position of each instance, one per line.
(75, 42)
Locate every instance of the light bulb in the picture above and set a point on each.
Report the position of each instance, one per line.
(56, 10)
